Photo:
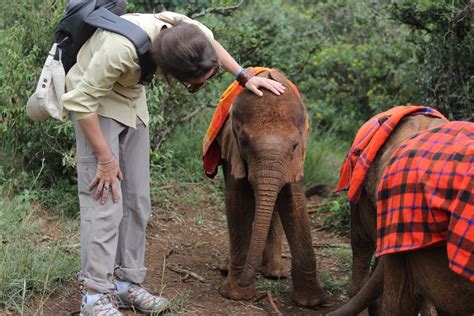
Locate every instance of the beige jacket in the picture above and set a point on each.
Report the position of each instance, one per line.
(105, 78)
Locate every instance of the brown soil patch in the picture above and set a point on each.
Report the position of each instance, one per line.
(191, 234)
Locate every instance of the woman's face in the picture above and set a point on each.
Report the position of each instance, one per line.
(194, 85)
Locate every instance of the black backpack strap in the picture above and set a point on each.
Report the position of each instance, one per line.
(104, 19)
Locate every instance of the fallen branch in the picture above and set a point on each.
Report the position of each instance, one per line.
(164, 187)
(166, 218)
(219, 10)
(186, 277)
(252, 306)
(169, 254)
(259, 298)
(272, 302)
(190, 273)
(315, 245)
(199, 244)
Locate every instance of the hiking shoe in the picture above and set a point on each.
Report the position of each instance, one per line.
(104, 306)
(136, 297)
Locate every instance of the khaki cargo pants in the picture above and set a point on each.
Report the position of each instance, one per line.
(113, 234)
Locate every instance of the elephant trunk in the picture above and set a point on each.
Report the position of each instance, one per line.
(267, 185)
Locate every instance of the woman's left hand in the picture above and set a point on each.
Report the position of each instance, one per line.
(256, 82)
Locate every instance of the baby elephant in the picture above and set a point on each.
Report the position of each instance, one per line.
(424, 206)
(263, 145)
(390, 129)
(425, 222)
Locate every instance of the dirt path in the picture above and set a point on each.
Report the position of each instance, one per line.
(190, 233)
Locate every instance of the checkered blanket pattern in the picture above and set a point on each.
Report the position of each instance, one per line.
(426, 196)
(370, 137)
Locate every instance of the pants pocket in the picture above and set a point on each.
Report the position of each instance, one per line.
(86, 171)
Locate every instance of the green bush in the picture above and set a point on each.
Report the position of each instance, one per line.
(442, 33)
(30, 146)
(334, 214)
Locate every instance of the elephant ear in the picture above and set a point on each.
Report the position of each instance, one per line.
(296, 167)
(230, 150)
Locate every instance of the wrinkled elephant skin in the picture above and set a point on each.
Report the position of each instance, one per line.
(263, 144)
(367, 291)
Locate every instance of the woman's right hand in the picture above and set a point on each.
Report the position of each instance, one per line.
(106, 180)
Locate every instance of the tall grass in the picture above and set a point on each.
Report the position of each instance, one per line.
(32, 262)
(324, 155)
(323, 160)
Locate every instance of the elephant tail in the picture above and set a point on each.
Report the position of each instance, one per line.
(368, 294)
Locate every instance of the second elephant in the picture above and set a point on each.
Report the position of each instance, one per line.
(364, 222)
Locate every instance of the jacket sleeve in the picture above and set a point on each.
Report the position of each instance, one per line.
(174, 18)
(114, 57)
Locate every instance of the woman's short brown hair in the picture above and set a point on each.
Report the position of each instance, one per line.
(184, 52)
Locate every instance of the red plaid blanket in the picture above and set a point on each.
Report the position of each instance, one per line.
(426, 196)
(370, 137)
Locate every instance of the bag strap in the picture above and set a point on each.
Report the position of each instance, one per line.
(104, 19)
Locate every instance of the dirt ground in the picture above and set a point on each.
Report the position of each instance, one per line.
(186, 243)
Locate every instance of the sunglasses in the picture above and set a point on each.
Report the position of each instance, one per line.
(194, 87)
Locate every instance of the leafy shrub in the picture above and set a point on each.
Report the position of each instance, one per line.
(442, 33)
(334, 214)
(29, 145)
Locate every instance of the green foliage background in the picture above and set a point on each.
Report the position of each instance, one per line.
(350, 59)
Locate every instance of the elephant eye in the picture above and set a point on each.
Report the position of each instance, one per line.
(295, 145)
(244, 143)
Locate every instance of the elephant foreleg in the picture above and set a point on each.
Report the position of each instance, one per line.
(239, 203)
(291, 206)
(272, 267)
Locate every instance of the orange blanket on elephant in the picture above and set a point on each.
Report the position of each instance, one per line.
(211, 152)
(370, 137)
(426, 196)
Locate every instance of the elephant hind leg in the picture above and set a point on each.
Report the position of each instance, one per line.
(272, 267)
(399, 296)
(362, 241)
(449, 292)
